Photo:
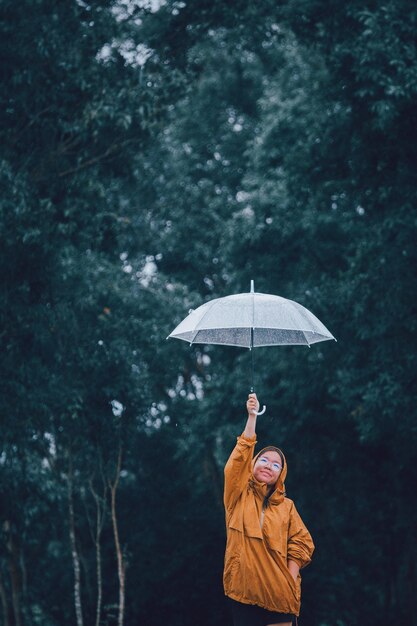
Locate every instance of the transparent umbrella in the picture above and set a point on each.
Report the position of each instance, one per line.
(251, 320)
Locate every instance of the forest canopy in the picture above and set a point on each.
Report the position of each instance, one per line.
(156, 155)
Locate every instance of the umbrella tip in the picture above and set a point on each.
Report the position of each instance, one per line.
(252, 286)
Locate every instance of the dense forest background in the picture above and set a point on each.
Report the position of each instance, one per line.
(153, 156)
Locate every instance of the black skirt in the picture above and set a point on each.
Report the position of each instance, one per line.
(252, 615)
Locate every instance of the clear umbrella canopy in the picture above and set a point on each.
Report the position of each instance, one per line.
(252, 320)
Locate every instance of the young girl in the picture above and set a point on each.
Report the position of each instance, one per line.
(267, 542)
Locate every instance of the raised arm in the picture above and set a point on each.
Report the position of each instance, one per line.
(252, 406)
(238, 467)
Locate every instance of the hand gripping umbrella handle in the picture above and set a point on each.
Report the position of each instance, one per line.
(260, 412)
(263, 407)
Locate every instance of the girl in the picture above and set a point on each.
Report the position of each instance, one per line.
(267, 542)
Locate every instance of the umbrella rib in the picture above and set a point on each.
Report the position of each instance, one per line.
(308, 343)
(295, 308)
(206, 313)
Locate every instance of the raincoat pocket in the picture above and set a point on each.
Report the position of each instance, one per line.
(294, 584)
(297, 586)
(280, 557)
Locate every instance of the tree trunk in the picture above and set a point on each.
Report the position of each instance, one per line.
(74, 551)
(100, 516)
(15, 574)
(99, 578)
(4, 604)
(121, 566)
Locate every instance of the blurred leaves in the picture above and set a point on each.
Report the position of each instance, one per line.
(153, 158)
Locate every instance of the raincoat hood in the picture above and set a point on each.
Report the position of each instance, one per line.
(279, 486)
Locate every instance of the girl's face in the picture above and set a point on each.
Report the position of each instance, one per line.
(268, 467)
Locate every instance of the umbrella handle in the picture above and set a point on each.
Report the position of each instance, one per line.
(259, 412)
(263, 407)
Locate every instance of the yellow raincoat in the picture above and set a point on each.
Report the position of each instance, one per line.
(261, 536)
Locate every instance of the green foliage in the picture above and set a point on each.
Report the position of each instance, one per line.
(153, 159)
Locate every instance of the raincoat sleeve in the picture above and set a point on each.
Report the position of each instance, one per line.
(300, 544)
(237, 470)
